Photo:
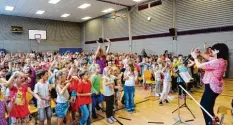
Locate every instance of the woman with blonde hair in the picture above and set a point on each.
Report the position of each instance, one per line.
(100, 55)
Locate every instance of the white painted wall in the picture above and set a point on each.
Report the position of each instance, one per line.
(185, 43)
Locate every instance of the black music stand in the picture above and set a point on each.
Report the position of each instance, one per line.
(179, 120)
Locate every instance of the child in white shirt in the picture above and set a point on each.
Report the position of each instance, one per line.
(158, 79)
(166, 83)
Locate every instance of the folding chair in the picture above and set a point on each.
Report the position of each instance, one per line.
(32, 109)
(149, 81)
(225, 111)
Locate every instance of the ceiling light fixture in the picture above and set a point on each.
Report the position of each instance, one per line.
(137, 0)
(86, 18)
(108, 10)
(53, 1)
(40, 12)
(85, 5)
(9, 8)
(65, 15)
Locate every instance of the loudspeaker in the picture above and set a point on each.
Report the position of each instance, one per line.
(156, 3)
(172, 31)
(101, 40)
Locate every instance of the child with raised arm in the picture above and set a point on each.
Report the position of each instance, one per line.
(144, 66)
(19, 113)
(62, 106)
(100, 55)
(166, 83)
(158, 79)
(42, 89)
(84, 97)
(73, 74)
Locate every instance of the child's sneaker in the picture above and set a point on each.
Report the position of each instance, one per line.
(166, 101)
(109, 120)
(133, 111)
(98, 107)
(129, 111)
(160, 103)
(169, 97)
(94, 116)
(113, 119)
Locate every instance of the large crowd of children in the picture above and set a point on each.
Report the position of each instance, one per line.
(80, 82)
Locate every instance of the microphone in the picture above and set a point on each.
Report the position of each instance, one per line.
(187, 59)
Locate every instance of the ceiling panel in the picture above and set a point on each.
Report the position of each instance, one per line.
(11, 2)
(28, 8)
(126, 2)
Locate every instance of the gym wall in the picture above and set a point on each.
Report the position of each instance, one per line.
(59, 34)
(195, 23)
(190, 15)
(93, 29)
(161, 19)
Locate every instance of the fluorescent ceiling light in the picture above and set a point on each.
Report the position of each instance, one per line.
(86, 18)
(40, 12)
(65, 15)
(108, 10)
(54, 1)
(85, 5)
(9, 8)
(137, 0)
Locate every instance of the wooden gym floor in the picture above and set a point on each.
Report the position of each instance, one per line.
(148, 110)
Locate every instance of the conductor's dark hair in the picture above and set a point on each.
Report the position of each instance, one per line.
(223, 50)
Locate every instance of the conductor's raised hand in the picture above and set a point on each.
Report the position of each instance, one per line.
(194, 54)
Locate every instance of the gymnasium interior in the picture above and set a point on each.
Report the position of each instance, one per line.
(130, 27)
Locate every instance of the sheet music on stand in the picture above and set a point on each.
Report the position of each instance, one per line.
(186, 77)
